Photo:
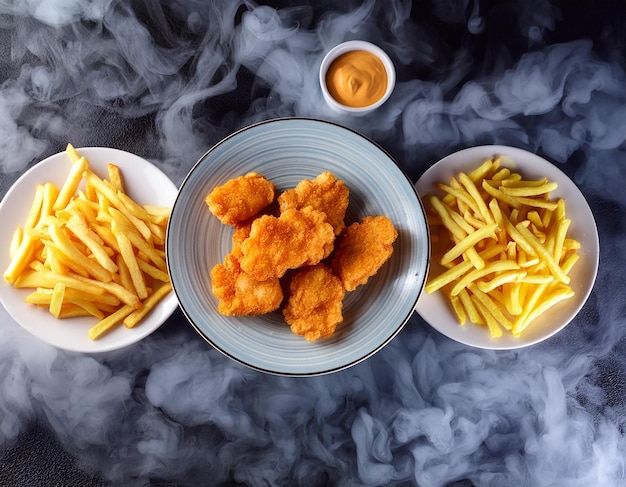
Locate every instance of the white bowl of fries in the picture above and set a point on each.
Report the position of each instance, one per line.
(82, 253)
(514, 248)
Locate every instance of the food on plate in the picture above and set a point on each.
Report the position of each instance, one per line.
(314, 307)
(241, 231)
(503, 247)
(239, 294)
(357, 79)
(294, 239)
(362, 249)
(286, 258)
(324, 193)
(88, 249)
(241, 198)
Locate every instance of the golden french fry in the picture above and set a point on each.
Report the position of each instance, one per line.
(461, 195)
(527, 189)
(69, 310)
(71, 184)
(16, 240)
(468, 242)
(543, 254)
(56, 299)
(115, 177)
(107, 324)
(136, 316)
(460, 269)
(490, 268)
(472, 313)
(72, 153)
(136, 238)
(158, 210)
(476, 196)
(500, 279)
(521, 236)
(50, 194)
(78, 226)
(67, 247)
(22, 258)
(154, 272)
(491, 306)
(35, 209)
(492, 325)
(126, 249)
(499, 195)
(60, 263)
(459, 310)
(139, 211)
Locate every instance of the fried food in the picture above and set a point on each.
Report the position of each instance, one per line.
(505, 253)
(362, 249)
(314, 307)
(254, 277)
(324, 193)
(239, 294)
(91, 252)
(277, 244)
(241, 198)
(240, 233)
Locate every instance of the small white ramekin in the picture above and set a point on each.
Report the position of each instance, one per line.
(343, 48)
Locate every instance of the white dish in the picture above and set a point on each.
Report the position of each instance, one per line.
(344, 48)
(436, 310)
(145, 183)
(287, 151)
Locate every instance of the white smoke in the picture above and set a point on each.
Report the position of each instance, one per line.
(158, 79)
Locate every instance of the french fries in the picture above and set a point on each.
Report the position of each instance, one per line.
(504, 248)
(91, 252)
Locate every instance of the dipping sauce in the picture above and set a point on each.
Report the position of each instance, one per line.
(357, 79)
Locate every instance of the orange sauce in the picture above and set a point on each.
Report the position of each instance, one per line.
(357, 79)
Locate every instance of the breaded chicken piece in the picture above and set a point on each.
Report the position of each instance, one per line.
(314, 307)
(362, 249)
(239, 294)
(241, 198)
(240, 233)
(296, 238)
(324, 193)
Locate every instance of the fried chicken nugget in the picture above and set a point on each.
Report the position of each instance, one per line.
(241, 198)
(362, 249)
(239, 294)
(324, 193)
(276, 244)
(240, 233)
(314, 307)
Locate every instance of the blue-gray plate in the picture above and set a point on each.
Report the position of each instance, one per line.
(287, 151)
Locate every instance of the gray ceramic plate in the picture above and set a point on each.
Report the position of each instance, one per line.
(287, 151)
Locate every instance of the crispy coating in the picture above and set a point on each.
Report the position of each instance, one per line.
(239, 294)
(324, 193)
(296, 238)
(362, 249)
(241, 198)
(240, 233)
(314, 307)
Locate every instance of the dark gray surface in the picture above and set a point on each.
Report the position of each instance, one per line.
(544, 76)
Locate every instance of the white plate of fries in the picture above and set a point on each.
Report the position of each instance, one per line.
(82, 251)
(515, 248)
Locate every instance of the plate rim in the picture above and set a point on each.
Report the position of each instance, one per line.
(410, 310)
(500, 149)
(168, 305)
